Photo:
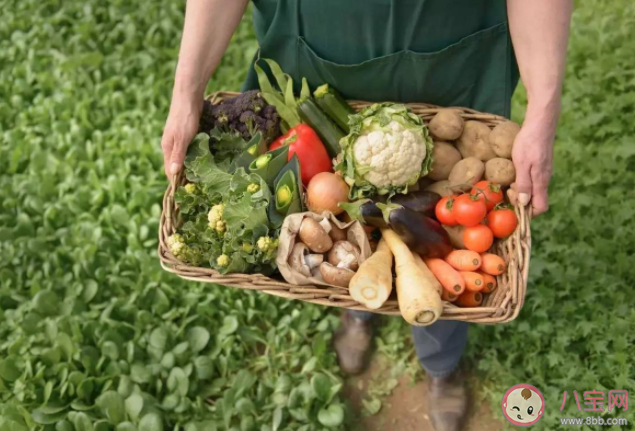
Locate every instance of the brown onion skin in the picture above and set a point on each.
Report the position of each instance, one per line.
(326, 184)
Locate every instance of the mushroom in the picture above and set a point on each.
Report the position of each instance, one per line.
(336, 276)
(314, 236)
(337, 234)
(344, 254)
(302, 261)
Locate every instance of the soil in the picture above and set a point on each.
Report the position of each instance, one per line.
(405, 409)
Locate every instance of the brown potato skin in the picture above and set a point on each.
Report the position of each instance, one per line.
(474, 142)
(444, 157)
(502, 138)
(456, 235)
(440, 187)
(466, 173)
(447, 125)
(500, 171)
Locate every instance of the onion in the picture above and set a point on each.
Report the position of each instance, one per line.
(325, 191)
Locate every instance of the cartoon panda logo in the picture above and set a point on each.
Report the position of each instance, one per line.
(523, 405)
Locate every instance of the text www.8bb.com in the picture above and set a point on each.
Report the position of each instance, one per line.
(594, 420)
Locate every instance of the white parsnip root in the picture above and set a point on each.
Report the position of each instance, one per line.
(372, 284)
(419, 300)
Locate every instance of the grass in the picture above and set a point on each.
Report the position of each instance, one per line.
(94, 335)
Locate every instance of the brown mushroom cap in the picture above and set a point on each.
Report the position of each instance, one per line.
(314, 236)
(337, 234)
(303, 262)
(336, 276)
(344, 254)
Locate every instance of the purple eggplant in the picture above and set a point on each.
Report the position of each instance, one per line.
(421, 201)
(420, 233)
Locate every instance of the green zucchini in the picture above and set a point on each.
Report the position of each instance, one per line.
(334, 105)
(328, 132)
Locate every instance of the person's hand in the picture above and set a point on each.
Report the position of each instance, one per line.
(533, 159)
(180, 128)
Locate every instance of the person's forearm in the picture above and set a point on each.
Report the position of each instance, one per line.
(539, 31)
(209, 25)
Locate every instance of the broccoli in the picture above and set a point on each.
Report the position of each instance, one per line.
(247, 114)
(267, 244)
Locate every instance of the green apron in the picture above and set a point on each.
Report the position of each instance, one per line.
(448, 53)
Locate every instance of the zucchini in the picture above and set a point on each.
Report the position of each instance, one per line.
(328, 132)
(334, 105)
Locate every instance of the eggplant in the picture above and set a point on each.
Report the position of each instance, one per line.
(365, 211)
(420, 233)
(422, 201)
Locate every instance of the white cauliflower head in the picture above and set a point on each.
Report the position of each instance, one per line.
(387, 150)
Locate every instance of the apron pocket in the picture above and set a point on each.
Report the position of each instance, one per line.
(474, 73)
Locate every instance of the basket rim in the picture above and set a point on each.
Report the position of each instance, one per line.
(502, 305)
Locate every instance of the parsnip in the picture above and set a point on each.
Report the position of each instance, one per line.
(372, 284)
(419, 300)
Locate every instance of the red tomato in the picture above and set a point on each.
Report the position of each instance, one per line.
(469, 210)
(478, 238)
(443, 211)
(502, 222)
(489, 191)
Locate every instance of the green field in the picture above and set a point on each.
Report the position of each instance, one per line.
(95, 336)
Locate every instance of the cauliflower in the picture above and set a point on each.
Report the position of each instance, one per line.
(222, 260)
(387, 150)
(253, 188)
(247, 247)
(215, 218)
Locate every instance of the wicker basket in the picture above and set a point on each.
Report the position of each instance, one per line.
(503, 305)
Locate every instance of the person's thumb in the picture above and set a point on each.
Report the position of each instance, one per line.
(523, 184)
(177, 158)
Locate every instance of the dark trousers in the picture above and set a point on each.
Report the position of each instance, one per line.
(439, 346)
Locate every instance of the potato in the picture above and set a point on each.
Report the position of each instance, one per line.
(466, 173)
(447, 125)
(502, 138)
(500, 171)
(440, 187)
(444, 157)
(474, 142)
(456, 235)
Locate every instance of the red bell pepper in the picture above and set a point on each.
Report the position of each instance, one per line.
(303, 141)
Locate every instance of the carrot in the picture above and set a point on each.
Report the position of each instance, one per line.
(473, 282)
(447, 296)
(372, 283)
(419, 301)
(492, 264)
(428, 274)
(449, 278)
(464, 260)
(490, 282)
(469, 299)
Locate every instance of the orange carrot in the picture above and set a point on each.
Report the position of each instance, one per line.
(492, 264)
(473, 282)
(447, 296)
(449, 278)
(464, 260)
(490, 282)
(469, 299)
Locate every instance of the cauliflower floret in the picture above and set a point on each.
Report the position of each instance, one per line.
(190, 188)
(176, 245)
(253, 188)
(222, 260)
(264, 242)
(392, 159)
(215, 218)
